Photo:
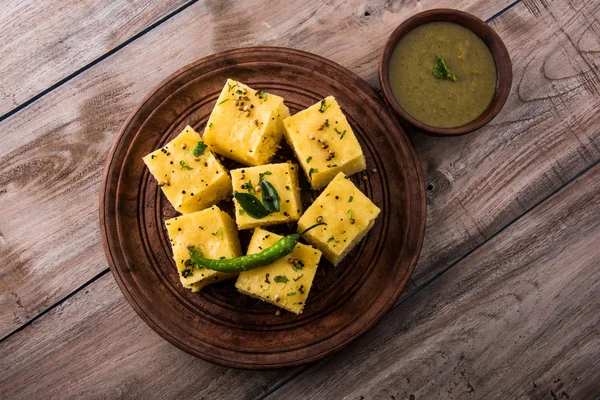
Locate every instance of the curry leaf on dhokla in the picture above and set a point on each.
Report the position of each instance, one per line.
(251, 205)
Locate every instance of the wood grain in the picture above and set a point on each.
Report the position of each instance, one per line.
(94, 346)
(516, 319)
(53, 151)
(43, 42)
(532, 25)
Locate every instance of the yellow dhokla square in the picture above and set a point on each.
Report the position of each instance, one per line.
(214, 233)
(189, 174)
(349, 215)
(285, 284)
(324, 142)
(246, 125)
(284, 178)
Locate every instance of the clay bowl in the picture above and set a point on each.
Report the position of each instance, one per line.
(481, 29)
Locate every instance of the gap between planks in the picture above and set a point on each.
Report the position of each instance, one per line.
(66, 79)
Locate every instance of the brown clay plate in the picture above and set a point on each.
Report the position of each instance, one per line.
(218, 324)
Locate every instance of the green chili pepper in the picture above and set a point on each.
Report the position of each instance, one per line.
(244, 263)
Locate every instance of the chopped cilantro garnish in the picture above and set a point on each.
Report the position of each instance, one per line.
(262, 95)
(324, 106)
(231, 86)
(281, 279)
(350, 199)
(308, 160)
(220, 230)
(440, 70)
(312, 171)
(182, 163)
(200, 148)
(249, 187)
(263, 174)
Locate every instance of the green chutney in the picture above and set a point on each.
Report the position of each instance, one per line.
(443, 103)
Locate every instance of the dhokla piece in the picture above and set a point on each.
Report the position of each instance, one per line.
(246, 125)
(285, 283)
(214, 233)
(324, 142)
(349, 215)
(188, 173)
(284, 178)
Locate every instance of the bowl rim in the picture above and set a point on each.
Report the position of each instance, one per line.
(482, 30)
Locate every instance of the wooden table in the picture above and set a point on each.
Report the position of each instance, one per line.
(505, 300)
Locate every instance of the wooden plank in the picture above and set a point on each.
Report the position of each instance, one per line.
(516, 319)
(53, 151)
(43, 42)
(547, 133)
(95, 346)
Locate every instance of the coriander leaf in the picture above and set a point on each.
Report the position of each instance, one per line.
(229, 87)
(249, 187)
(324, 106)
(350, 214)
(182, 163)
(312, 171)
(200, 148)
(281, 279)
(291, 293)
(350, 199)
(220, 230)
(440, 71)
(262, 95)
(263, 174)
(195, 254)
(308, 160)
(186, 273)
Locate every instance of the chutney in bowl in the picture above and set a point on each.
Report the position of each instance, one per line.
(445, 72)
